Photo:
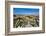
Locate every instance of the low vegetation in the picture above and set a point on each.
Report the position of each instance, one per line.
(25, 21)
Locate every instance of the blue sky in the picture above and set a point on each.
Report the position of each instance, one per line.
(26, 11)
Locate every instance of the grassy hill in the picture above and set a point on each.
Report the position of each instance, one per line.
(25, 21)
